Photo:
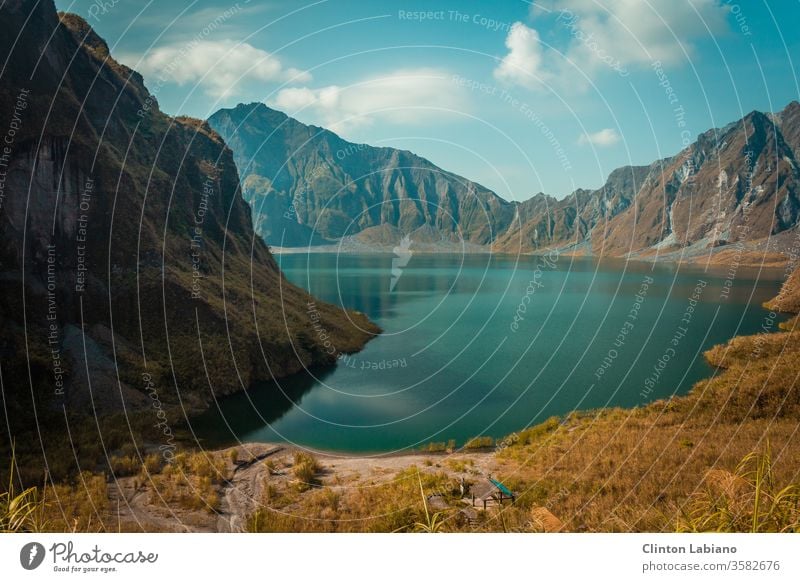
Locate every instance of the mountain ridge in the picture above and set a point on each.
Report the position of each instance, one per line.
(358, 194)
(631, 215)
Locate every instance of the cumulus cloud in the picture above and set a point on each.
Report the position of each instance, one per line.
(603, 138)
(615, 36)
(222, 68)
(522, 65)
(403, 96)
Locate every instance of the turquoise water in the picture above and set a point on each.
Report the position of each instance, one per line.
(487, 345)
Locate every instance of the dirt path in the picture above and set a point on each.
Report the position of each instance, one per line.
(259, 467)
(241, 494)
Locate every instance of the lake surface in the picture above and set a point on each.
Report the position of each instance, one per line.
(487, 345)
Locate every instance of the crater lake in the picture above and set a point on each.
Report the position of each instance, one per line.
(483, 344)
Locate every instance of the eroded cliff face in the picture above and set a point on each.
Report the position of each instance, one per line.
(128, 257)
(571, 224)
(736, 184)
(308, 186)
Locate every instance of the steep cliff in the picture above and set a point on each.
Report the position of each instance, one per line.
(571, 223)
(130, 270)
(735, 184)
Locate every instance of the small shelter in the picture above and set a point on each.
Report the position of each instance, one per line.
(491, 490)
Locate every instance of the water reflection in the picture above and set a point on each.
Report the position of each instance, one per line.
(261, 405)
(467, 373)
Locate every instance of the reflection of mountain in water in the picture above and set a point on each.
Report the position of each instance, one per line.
(363, 282)
(233, 418)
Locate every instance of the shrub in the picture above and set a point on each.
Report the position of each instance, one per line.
(80, 507)
(305, 469)
(534, 433)
(125, 466)
(479, 442)
(152, 463)
(434, 448)
(460, 465)
(192, 481)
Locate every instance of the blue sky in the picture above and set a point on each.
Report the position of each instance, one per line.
(520, 96)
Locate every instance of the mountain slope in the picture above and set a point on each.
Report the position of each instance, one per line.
(571, 223)
(734, 186)
(307, 185)
(130, 270)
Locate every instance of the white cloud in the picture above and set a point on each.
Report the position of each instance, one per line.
(603, 138)
(614, 36)
(636, 32)
(404, 96)
(522, 64)
(222, 68)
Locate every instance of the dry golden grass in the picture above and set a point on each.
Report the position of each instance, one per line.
(788, 300)
(745, 258)
(20, 511)
(305, 469)
(621, 472)
(395, 505)
(479, 442)
(193, 481)
(543, 520)
(78, 506)
(749, 500)
(752, 347)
